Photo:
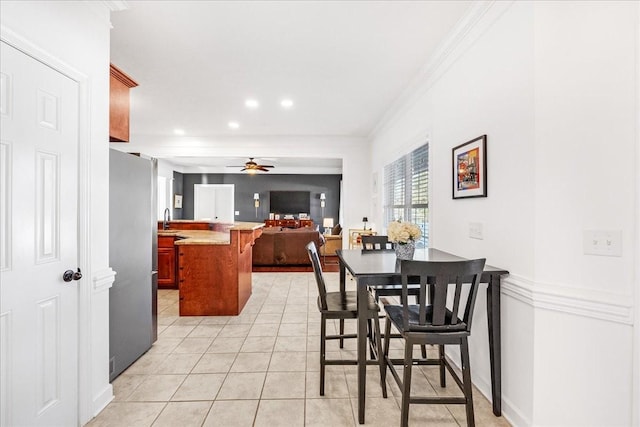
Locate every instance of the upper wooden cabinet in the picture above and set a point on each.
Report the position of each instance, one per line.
(119, 105)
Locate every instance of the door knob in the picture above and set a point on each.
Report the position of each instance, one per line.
(70, 275)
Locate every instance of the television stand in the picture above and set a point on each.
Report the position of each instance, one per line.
(288, 223)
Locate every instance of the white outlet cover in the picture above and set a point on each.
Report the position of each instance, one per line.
(237, 213)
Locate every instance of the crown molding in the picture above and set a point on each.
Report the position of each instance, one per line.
(478, 19)
(121, 76)
(116, 5)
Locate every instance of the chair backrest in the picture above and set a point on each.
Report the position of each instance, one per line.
(317, 272)
(376, 243)
(435, 294)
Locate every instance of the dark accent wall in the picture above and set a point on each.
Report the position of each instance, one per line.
(247, 185)
(177, 189)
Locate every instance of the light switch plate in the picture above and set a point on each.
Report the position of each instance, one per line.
(475, 230)
(602, 242)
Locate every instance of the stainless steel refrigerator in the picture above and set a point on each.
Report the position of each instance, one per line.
(133, 256)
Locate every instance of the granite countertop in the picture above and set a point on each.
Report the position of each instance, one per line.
(247, 225)
(206, 237)
(197, 237)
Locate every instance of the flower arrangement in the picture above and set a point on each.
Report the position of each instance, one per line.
(403, 232)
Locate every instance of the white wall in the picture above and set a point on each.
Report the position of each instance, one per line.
(77, 34)
(552, 85)
(585, 115)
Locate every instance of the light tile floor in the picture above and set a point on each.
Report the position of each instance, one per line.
(261, 368)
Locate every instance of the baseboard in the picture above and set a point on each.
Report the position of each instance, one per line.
(281, 268)
(102, 399)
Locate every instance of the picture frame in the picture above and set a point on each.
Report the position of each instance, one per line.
(469, 168)
(177, 201)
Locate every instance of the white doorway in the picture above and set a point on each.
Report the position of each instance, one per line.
(39, 223)
(214, 202)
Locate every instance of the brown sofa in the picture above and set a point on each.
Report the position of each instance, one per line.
(285, 246)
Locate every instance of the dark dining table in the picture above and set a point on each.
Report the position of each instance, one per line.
(381, 267)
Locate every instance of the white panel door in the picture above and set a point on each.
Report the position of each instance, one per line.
(213, 202)
(38, 222)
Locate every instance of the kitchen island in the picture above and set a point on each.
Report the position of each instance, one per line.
(213, 266)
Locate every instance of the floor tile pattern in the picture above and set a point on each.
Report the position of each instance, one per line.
(261, 368)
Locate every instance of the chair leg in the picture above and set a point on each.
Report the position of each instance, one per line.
(443, 381)
(387, 340)
(406, 383)
(372, 340)
(323, 349)
(341, 333)
(466, 381)
(423, 351)
(381, 361)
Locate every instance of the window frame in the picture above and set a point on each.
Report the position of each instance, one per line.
(406, 191)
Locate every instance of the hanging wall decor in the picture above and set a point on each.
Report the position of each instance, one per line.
(469, 168)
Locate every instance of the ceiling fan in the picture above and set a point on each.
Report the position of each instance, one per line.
(253, 167)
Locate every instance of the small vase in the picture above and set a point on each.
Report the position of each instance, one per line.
(405, 250)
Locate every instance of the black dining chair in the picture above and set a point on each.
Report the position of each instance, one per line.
(382, 243)
(343, 305)
(439, 317)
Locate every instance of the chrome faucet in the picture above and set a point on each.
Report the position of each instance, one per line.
(167, 218)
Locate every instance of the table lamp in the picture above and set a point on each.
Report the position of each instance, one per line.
(327, 223)
(365, 220)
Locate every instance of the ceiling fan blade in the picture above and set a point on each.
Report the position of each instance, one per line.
(251, 165)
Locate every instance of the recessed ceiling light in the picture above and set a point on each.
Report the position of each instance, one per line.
(286, 103)
(234, 125)
(251, 103)
(178, 131)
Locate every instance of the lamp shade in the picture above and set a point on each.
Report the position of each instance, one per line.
(256, 196)
(323, 196)
(327, 223)
(365, 219)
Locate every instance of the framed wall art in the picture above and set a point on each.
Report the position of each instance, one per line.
(469, 168)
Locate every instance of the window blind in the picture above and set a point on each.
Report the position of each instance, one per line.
(406, 191)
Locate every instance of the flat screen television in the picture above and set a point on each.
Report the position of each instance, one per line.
(289, 202)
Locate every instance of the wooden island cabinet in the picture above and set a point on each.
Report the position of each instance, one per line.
(167, 263)
(214, 268)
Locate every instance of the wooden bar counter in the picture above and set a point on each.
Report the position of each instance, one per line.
(214, 267)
